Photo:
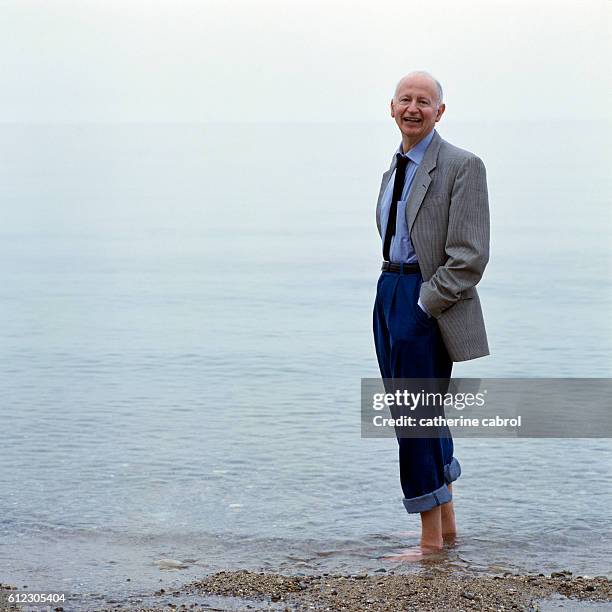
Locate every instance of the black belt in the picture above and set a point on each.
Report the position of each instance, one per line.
(400, 268)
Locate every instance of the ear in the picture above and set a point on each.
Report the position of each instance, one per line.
(441, 110)
(392, 109)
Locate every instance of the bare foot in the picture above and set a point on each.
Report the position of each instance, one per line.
(414, 553)
(450, 539)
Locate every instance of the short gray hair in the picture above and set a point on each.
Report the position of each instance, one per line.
(424, 74)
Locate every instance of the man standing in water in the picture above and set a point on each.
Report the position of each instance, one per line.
(433, 219)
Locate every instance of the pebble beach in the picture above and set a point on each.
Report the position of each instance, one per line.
(431, 590)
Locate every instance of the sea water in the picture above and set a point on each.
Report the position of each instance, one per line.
(186, 317)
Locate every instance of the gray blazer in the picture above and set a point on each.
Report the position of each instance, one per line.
(448, 220)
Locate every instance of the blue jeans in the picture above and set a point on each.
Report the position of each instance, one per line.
(409, 345)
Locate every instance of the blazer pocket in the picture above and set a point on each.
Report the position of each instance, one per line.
(466, 295)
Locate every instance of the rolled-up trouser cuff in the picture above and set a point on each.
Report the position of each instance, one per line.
(440, 496)
(452, 471)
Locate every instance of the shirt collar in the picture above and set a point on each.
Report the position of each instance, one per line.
(417, 152)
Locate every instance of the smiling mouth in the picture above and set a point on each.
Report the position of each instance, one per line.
(411, 120)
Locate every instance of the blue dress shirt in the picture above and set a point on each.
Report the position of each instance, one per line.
(401, 250)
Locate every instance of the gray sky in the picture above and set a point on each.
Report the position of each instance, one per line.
(299, 60)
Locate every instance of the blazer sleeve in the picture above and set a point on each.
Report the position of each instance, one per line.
(467, 240)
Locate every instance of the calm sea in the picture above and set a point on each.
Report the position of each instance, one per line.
(186, 317)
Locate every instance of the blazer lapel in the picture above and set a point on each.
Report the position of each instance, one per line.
(421, 181)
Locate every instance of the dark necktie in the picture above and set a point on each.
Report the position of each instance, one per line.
(398, 187)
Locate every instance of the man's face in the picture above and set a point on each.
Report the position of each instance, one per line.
(415, 108)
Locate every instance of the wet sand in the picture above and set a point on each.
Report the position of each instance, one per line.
(432, 590)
